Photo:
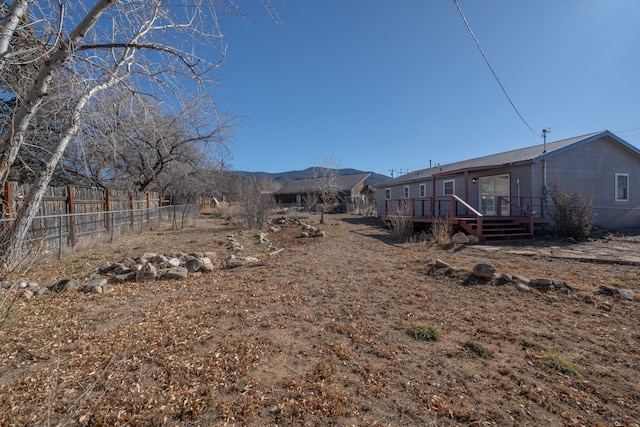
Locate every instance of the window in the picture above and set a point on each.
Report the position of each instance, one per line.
(448, 188)
(406, 192)
(387, 193)
(423, 190)
(622, 187)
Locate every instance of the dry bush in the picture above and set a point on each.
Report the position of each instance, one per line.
(440, 233)
(400, 225)
(571, 212)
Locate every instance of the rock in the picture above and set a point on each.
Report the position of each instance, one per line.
(522, 287)
(521, 279)
(148, 257)
(608, 290)
(207, 265)
(40, 291)
(126, 277)
(211, 255)
(460, 238)
(107, 267)
(441, 264)
(65, 285)
(506, 277)
(234, 262)
(26, 294)
(160, 260)
(174, 262)
(121, 269)
(193, 265)
(484, 271)
(98, 283)
(473, 239)
(606, 307)
(147, 271)
(543, 285)
(586, 298)
(626, 294)
(176, 273)
(128, 262)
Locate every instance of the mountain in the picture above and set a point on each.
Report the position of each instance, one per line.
(282, 177)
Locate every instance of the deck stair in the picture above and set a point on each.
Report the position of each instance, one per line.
(502, 228)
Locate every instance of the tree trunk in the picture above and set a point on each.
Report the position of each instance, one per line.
(9, 25)
(12, 142)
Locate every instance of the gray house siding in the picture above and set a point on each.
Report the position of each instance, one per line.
(585, 164)
(591, 170)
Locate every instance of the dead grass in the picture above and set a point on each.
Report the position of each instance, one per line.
(317, 335)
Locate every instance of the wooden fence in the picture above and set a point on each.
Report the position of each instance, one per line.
(70, 213)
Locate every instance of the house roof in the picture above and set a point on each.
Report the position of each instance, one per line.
(313, 185)
(533, 154)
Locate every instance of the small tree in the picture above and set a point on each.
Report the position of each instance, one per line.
(571, 212)
(327, 176)
(257, 202)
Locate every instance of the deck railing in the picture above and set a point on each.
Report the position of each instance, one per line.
(455, 207)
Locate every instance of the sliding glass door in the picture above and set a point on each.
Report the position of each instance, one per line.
(491, 188)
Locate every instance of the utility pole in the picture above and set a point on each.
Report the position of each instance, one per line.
(544, 136)
(391, 170)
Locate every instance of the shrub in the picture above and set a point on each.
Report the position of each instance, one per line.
(570, 212)
(440, 233)
(425, 332)
(477, 348)
(401, 227)
(555, 361)
(529, 343)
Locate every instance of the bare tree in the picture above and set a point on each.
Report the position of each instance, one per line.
(327, 177)
(147, 48)
(256, 201)
(139, 144)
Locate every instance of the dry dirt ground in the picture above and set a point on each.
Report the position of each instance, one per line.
(322, 334)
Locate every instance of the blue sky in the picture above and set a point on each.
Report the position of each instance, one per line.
(380, 85)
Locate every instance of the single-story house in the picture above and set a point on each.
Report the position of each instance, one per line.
(349, 189)
(507, 194)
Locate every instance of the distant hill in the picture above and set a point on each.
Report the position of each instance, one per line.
(282, 177)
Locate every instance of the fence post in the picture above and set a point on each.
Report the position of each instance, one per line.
(71, 209)
(149, 209)
(132, 214)
(8, 198)
(107, 208)
(60, 237)
(113, 228)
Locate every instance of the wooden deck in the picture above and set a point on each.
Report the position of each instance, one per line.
(462, 217)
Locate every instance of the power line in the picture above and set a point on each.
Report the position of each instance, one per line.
(491, 68)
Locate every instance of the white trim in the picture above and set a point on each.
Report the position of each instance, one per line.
(453, 187)
(387, 193)
(406, 192)
(423, 190)
(626, 198)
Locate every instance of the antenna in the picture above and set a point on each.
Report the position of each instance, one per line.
(544, 136)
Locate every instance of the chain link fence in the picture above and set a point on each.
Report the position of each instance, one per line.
(63, 232)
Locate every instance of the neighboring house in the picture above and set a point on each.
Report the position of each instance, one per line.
(506, 194)
(348, 189)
